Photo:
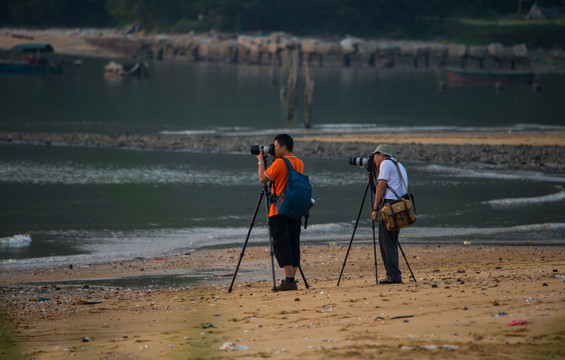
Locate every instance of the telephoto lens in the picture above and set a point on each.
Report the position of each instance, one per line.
(267, 150)
(359, 161)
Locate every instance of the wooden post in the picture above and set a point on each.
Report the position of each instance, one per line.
(308, 95)
(291, 86)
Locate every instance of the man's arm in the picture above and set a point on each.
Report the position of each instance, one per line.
(379, 193)
(379, 196)
(261, 168)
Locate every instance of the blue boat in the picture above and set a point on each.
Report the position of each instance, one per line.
(30, 59)
(480, 76)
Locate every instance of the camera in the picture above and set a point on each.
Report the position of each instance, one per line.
(267, 150)
(366, 162)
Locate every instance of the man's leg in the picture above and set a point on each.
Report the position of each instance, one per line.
(286, 253)
(290, 271)
(389, 250)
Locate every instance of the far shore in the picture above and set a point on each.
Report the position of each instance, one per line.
(112, 43)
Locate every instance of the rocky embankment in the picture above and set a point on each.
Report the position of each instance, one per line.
(278, 48)
(547, 158)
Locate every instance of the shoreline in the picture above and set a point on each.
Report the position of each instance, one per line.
(542, 151)
(467, 303)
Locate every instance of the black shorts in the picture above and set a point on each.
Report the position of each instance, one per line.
(286, 240)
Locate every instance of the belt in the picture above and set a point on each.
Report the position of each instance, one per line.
(390, 201)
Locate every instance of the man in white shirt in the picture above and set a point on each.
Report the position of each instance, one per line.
(388, 178)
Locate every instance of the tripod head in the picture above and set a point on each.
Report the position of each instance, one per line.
(369, 165)
(372, 178)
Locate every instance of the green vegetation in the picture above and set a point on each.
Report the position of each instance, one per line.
(474, 22)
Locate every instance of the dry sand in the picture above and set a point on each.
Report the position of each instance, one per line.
(461, 307)
(534, 138)
(64, 41)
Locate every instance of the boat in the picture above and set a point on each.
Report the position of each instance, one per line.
(553, 58)
(113, 69)
(30, 59)
(457, 75)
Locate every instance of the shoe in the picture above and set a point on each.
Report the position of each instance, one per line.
(287, 286)
(388, 280)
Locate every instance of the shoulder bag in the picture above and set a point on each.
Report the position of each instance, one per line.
(401, 213)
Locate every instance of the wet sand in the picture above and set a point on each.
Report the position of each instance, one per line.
(468, 302)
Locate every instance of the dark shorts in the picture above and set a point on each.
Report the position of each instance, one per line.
(286, 240)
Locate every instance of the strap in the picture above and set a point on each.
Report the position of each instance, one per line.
(401, 177)
(288, 166)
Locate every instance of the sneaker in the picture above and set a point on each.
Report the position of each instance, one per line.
(287, 286)
(388, 280)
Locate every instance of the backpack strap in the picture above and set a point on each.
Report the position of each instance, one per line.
(273, 196)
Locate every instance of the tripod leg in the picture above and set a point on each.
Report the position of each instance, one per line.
(375, 254)
(409, 268)
(267, 205)
(352, 235)
(247, 238)
(303, 278)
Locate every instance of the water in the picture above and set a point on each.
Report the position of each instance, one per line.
(65, 205)
(243, 99)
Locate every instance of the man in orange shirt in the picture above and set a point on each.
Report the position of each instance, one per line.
(285, 231)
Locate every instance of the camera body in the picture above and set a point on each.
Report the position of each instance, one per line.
(267, 150)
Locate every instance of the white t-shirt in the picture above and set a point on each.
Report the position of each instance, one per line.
(389, 172)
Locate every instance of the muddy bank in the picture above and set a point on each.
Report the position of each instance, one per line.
(545, 158)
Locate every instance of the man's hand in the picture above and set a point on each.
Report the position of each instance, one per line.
(260, 156)
(375, 216)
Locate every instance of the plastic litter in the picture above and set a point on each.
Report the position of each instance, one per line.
(229, 346)
(36, 299)
(516, 322)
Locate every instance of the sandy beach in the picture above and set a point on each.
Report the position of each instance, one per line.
(467, 302)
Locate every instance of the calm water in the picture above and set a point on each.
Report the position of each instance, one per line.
(73, 204)
(228, 99)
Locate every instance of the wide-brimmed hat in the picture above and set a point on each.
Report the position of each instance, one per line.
(384, 149)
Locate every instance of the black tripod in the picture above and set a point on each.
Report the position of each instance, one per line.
(264, 193)
(370, 184)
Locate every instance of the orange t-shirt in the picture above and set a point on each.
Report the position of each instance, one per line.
(278, 172)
